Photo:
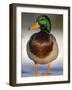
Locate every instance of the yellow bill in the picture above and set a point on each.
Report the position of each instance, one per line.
(35, 26)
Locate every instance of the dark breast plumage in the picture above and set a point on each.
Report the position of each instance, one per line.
(41, 44)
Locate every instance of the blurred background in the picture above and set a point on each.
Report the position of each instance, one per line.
(27, 65)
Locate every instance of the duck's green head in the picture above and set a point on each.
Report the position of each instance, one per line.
(43, 22)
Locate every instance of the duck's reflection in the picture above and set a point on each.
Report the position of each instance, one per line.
(45, 73)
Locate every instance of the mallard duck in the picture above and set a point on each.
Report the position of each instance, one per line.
(42, 46)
